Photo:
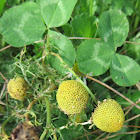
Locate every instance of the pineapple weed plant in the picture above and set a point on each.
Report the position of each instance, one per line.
(90, 48)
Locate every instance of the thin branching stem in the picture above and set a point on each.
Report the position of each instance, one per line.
(132, 132)
(131, 108)
(100, 136)
(4, 86)
(86, 38)
(112, 89)
(131, 126)
(93, 132)
(5, 48)
(134, 117)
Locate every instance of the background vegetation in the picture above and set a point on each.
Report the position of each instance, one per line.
(42, 44)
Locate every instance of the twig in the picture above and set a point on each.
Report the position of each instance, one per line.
(96, 131)
(131, 126)
(39, 41)
(134, 31)
(131, 108)
(106, 136)
(112, 89)
(4, 86)
(6, 104)
(132, 42)
(126, 108)
(83, 38)
(57, 29)
(86, 38)
(100, 136)
(132, 132)
(86, 135)
(3, 77)
(3, 89)
(5, 48)
(133, 118)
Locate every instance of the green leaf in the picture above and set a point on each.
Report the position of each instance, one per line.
(63, 46)
(94, 56)
(123, 5)
(84, 25)
(124, 70)
(2, 4)
(67, 30)
(85, 6)
(56, 12)
(22, 25)
(113, 28)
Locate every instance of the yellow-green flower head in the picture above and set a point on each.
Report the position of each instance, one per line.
(108, 116)
(17, 88)
(72, 97)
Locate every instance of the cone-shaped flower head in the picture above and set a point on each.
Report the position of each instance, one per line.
(17, 88)
(108, 116)
(72, 97)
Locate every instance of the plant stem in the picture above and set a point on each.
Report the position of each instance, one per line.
(48, 119)
(48, 111)
(70, 70)
(43, 134)
(106, 79)
(3, 126)
(112, 89)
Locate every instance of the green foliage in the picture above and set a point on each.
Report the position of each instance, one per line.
(63, 47)
(24, 26)
(84, 25)
(113, 28)
(41, 41)
(124, 5)
(56, 13)
(122, 69)
(2, 4)
(93, 56)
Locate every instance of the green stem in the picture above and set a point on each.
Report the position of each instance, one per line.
(3, 126)
(43, 134)
(106, 79)
(70, 70)
(48, 119)
(48, 111)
